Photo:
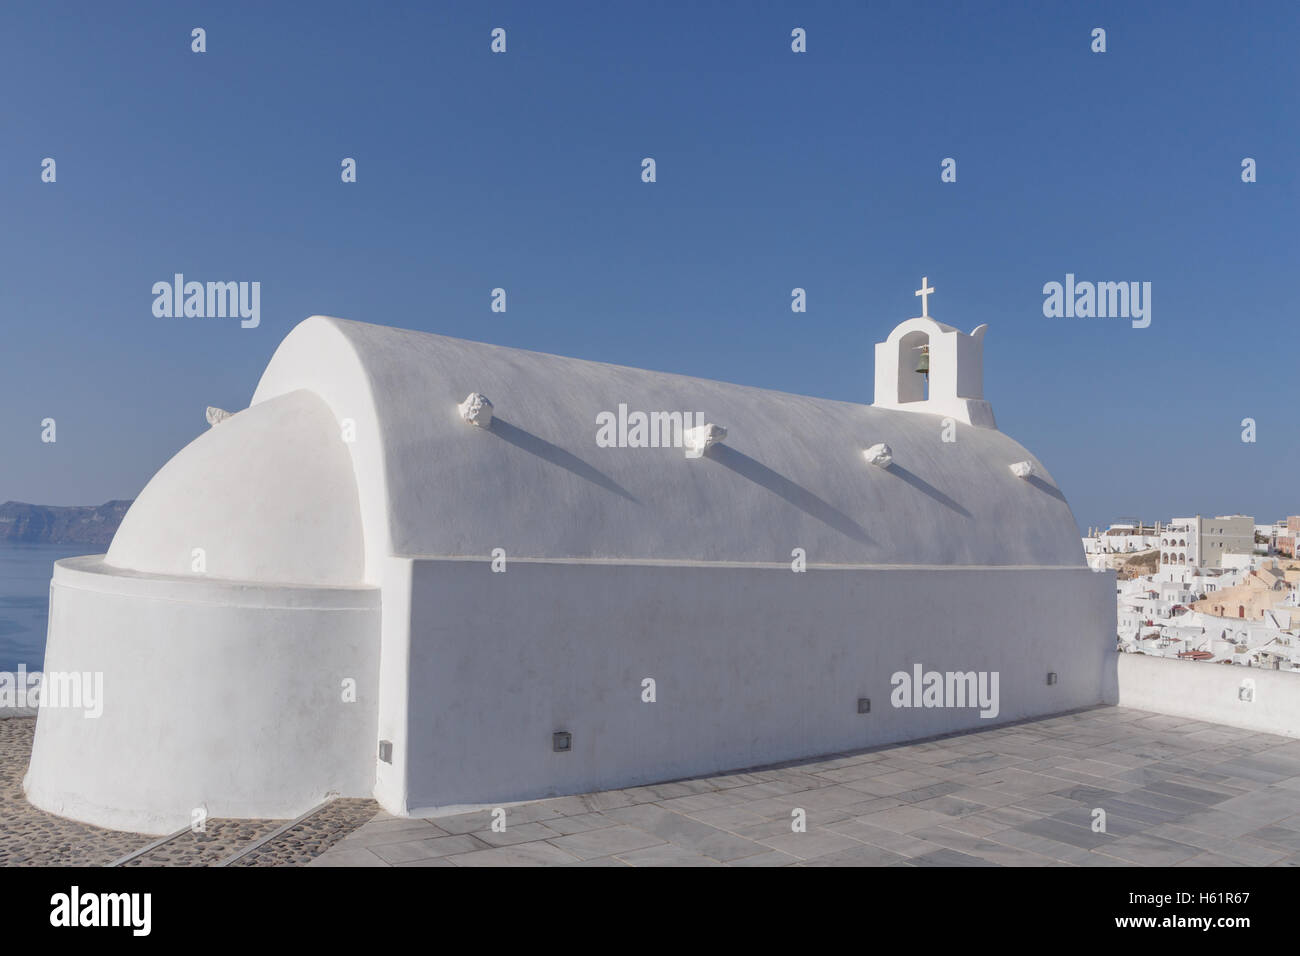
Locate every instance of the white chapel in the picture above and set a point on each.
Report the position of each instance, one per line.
(408, 569)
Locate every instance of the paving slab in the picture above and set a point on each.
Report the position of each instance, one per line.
(667, 854)
(814, 843)
(413, 850)
(522, 854)
(1149, 850)
(608, 841)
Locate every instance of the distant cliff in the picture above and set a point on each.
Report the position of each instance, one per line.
(58, 524)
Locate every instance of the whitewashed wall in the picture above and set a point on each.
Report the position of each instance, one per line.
(1199, 690)
(752, 665)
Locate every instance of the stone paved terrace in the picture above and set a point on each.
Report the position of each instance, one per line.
(1176, 792)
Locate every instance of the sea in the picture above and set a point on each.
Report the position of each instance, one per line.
(25, 571)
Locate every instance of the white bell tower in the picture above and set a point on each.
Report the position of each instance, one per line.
(956, 369)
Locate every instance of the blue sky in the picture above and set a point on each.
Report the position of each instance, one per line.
(775, 170)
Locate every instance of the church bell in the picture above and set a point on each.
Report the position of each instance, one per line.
(923, 365)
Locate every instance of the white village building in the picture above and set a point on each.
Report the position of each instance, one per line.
(365, 583)
(1206, 542)
(1121, 539)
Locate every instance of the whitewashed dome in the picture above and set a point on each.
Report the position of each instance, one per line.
(266, 495)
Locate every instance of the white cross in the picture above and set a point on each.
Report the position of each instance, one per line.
(924, 293)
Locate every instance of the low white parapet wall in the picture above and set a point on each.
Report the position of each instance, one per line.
(1251, 698)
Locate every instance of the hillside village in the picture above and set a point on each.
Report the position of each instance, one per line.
(1222, 590)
